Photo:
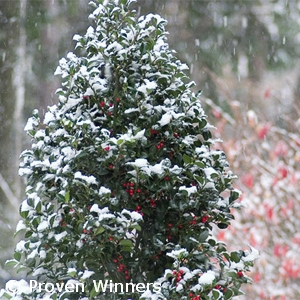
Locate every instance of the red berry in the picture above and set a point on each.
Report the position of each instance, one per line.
(118, 99)
(240, 274)
(111, 238)
(102, 104)
(111, 166)
(204, 219)
(84, 231)
(170, 225)
(107, 148)
(175, 135)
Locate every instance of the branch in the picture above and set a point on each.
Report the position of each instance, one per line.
(12, 199)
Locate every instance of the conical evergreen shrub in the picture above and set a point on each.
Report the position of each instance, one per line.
(122, 184)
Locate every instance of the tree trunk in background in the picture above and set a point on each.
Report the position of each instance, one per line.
(9, 34)
(19, 75)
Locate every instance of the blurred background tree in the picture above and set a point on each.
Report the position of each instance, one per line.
(242, 54)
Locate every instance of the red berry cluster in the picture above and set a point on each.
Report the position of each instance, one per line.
(178, 275)
(153, 203)
(121, 268)
(85, 231)
(130, 188)
(63, 223)
(204, 219)
(160, 145)
(138, 209)
(154, 132)
(194, 221)
(240, 274)
(168, 230)
(194, 297)
(220, 288)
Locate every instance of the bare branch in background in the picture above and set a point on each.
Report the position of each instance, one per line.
(11, 198)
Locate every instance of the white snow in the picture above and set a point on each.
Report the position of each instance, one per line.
(60, 236)
(252, 255)
(103, 213)
(140, 135)
(88, 179)
(179, 287)
(209, 172)
(178, 253)
(20, 226)
(70, 103)
(25, 206)
(145, 167)
(148, 85)
(87, 274)
(139, 163)
(207, 278)
(77, 37)
(43, 254)
(42, 226)
(144, 20)
(69, 153)
(89, 92)
(14, 287)
(103, 191)
(188, 140)
(30, 124)
(25, 171)
(165, 119)
(71, 270)
(189, 190)
(133, 214)
(39, 271)
(49, 117)
(130, 110)
(20, 247)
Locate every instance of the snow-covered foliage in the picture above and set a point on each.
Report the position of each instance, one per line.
(122, 183)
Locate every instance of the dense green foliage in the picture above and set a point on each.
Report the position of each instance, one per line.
(122, 183)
